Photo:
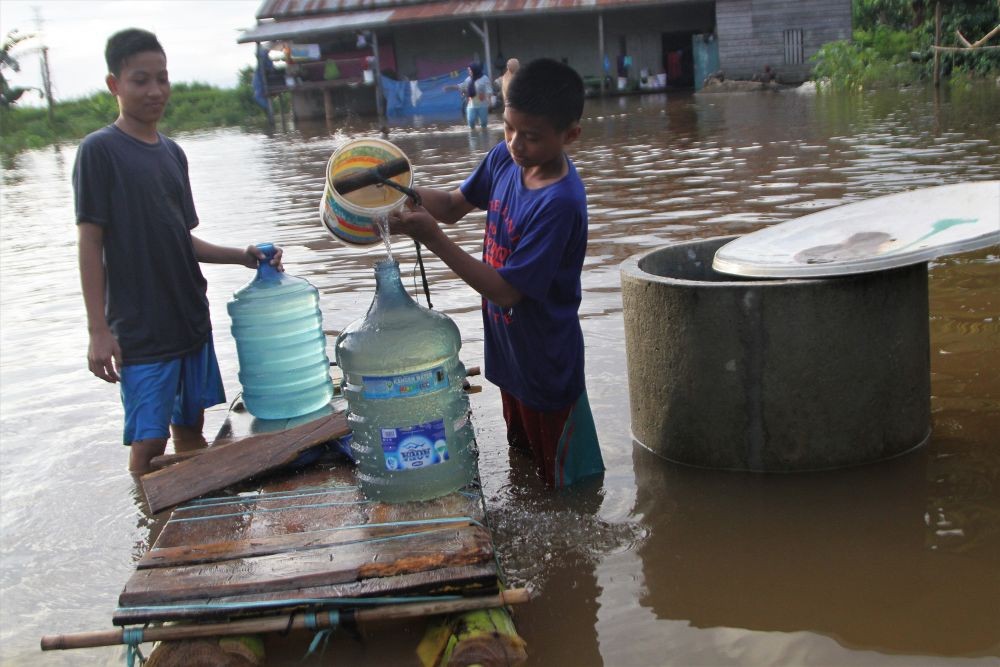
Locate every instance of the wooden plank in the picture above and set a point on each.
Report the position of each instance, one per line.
(220, 467)
(274, 544)
(314, 567)
(475, 579)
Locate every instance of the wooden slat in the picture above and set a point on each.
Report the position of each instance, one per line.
(464, 579)
(275, 544)
(314, 567)
(177, 533)
(220, 467)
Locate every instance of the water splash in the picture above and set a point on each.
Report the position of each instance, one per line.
(383, 226)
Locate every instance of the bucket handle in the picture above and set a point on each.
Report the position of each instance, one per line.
(379, 175)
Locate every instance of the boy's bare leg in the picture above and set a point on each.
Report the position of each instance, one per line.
(141, 452)
(187, 438)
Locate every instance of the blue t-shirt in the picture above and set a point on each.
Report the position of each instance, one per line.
(537, 240)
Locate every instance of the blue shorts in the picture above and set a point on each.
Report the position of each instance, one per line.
(170, 392)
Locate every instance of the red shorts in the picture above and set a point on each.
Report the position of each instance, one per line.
(563, 443)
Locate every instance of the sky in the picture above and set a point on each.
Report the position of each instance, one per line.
(199, 37)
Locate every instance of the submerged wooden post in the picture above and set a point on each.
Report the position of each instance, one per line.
(328, 107)
(281, 109)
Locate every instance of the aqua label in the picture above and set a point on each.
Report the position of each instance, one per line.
(405, 386)
(414, 447)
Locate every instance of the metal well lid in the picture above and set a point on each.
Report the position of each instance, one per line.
(872, 235)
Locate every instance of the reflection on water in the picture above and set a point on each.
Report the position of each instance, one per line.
(890, 564)
(843, 554)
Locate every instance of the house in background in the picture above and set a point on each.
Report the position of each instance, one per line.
(618, 46)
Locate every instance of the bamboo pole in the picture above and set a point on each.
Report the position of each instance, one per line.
(297, 621)
(966, 49)
(987, 37)
(937, 43)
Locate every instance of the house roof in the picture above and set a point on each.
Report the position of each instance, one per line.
(303, 19)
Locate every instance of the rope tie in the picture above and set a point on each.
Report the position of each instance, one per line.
(133, 637)
(322, 638)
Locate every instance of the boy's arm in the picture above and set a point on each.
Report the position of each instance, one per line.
(419, 225)
(104, 356)
(217, 254)
(448, 206)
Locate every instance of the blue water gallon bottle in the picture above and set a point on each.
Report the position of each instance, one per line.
(407, 408)
(278, 327)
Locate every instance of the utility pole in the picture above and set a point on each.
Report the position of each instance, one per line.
(46, 74)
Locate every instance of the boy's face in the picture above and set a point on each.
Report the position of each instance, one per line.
(532, 140)
(143, 87)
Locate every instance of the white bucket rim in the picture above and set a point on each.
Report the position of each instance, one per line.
(363, 210)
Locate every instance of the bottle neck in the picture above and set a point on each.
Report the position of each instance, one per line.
(265, 271)
(388, 284)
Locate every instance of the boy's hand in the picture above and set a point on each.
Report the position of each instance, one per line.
(415, 222)
(254, 256)
(104, 356)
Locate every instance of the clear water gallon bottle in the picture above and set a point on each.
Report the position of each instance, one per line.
(413, 437)
(278, 327)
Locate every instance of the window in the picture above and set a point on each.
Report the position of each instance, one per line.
(793, 47)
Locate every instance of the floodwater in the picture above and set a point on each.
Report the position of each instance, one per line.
(895, 563)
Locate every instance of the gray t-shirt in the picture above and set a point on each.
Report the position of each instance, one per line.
(140, 195)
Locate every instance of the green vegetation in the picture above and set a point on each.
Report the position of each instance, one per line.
(892, 42)
(192, 106)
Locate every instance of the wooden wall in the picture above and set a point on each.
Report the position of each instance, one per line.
(572, 36)
(752, 33)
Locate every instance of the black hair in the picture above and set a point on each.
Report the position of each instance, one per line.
(126, 43)
(549, 89)
(475, 73)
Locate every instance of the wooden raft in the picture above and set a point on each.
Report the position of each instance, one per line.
(302, 537)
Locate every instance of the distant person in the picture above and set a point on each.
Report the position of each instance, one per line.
(768, 75)
(147, 309)
(476, 91)
(291, 68)
(503, 81)
(529, 275)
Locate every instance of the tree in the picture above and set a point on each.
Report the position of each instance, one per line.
(895, 14)
(9, 95)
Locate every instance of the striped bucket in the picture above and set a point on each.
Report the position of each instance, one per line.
(351, 217)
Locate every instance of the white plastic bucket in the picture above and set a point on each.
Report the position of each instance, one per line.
(351, 218)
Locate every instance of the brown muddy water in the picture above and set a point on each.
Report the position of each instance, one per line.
(895, 563)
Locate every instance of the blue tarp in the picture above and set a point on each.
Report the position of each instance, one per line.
(264, 65)
(426, 96)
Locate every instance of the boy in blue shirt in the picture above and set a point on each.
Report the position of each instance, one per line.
(529, 275)
(145, 295)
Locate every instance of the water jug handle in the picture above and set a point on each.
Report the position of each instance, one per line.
(264, 269)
